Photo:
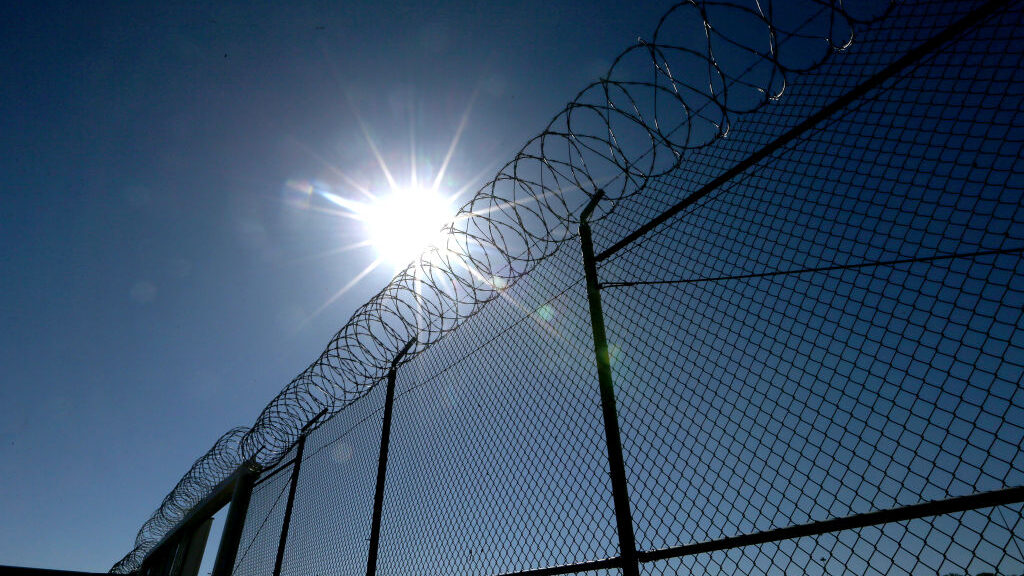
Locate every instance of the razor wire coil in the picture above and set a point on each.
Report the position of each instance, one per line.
(707, 63)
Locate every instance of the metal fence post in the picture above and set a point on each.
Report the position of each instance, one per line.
(617, 470)
(235, 522)
(382, 462)
(300, 446)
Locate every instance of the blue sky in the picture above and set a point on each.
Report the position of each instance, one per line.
(158, 283)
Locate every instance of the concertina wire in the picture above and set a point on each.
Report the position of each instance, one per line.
(708, 62)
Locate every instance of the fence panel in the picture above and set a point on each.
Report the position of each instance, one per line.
(837, 329)
(257, 549)
(330, 523)
(815, 326)
(498, 462)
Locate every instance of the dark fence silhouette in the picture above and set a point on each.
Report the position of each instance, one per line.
(752, 304)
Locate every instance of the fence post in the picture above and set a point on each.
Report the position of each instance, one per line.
(616, 465)
(233, 524)
(382, 462)
(300, 446)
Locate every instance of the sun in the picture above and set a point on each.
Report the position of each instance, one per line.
(400, 222)
(399, 225)
(404, 222)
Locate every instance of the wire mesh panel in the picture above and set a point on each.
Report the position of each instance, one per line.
(257, 549)
(330, 521)
(815, 318)
(497, 463)
(838, 329)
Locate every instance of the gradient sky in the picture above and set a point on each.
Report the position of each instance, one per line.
(158, 279)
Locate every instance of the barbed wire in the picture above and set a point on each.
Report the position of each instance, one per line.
(707, 63)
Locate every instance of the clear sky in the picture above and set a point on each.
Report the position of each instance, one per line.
(159, 279)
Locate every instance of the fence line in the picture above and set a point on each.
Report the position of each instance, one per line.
(717, 387)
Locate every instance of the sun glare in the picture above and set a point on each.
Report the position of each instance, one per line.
(399, 224)
(404, 222)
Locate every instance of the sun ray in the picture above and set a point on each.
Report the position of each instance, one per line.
(376, 152)
(328, 211)
(453, 199)
(412, 148)
(369, 268)
(335, 251)
(455, 142)
(355, 208)
(336, 171)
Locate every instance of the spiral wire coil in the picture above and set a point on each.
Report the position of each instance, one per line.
(708, 61)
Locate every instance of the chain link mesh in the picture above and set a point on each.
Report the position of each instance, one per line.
(330, 522)
(257, 549)
(838, 329)
(832, 330)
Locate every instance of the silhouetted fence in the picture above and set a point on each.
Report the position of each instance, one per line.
(752, 304)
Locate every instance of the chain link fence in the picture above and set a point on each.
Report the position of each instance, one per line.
(814, 324)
